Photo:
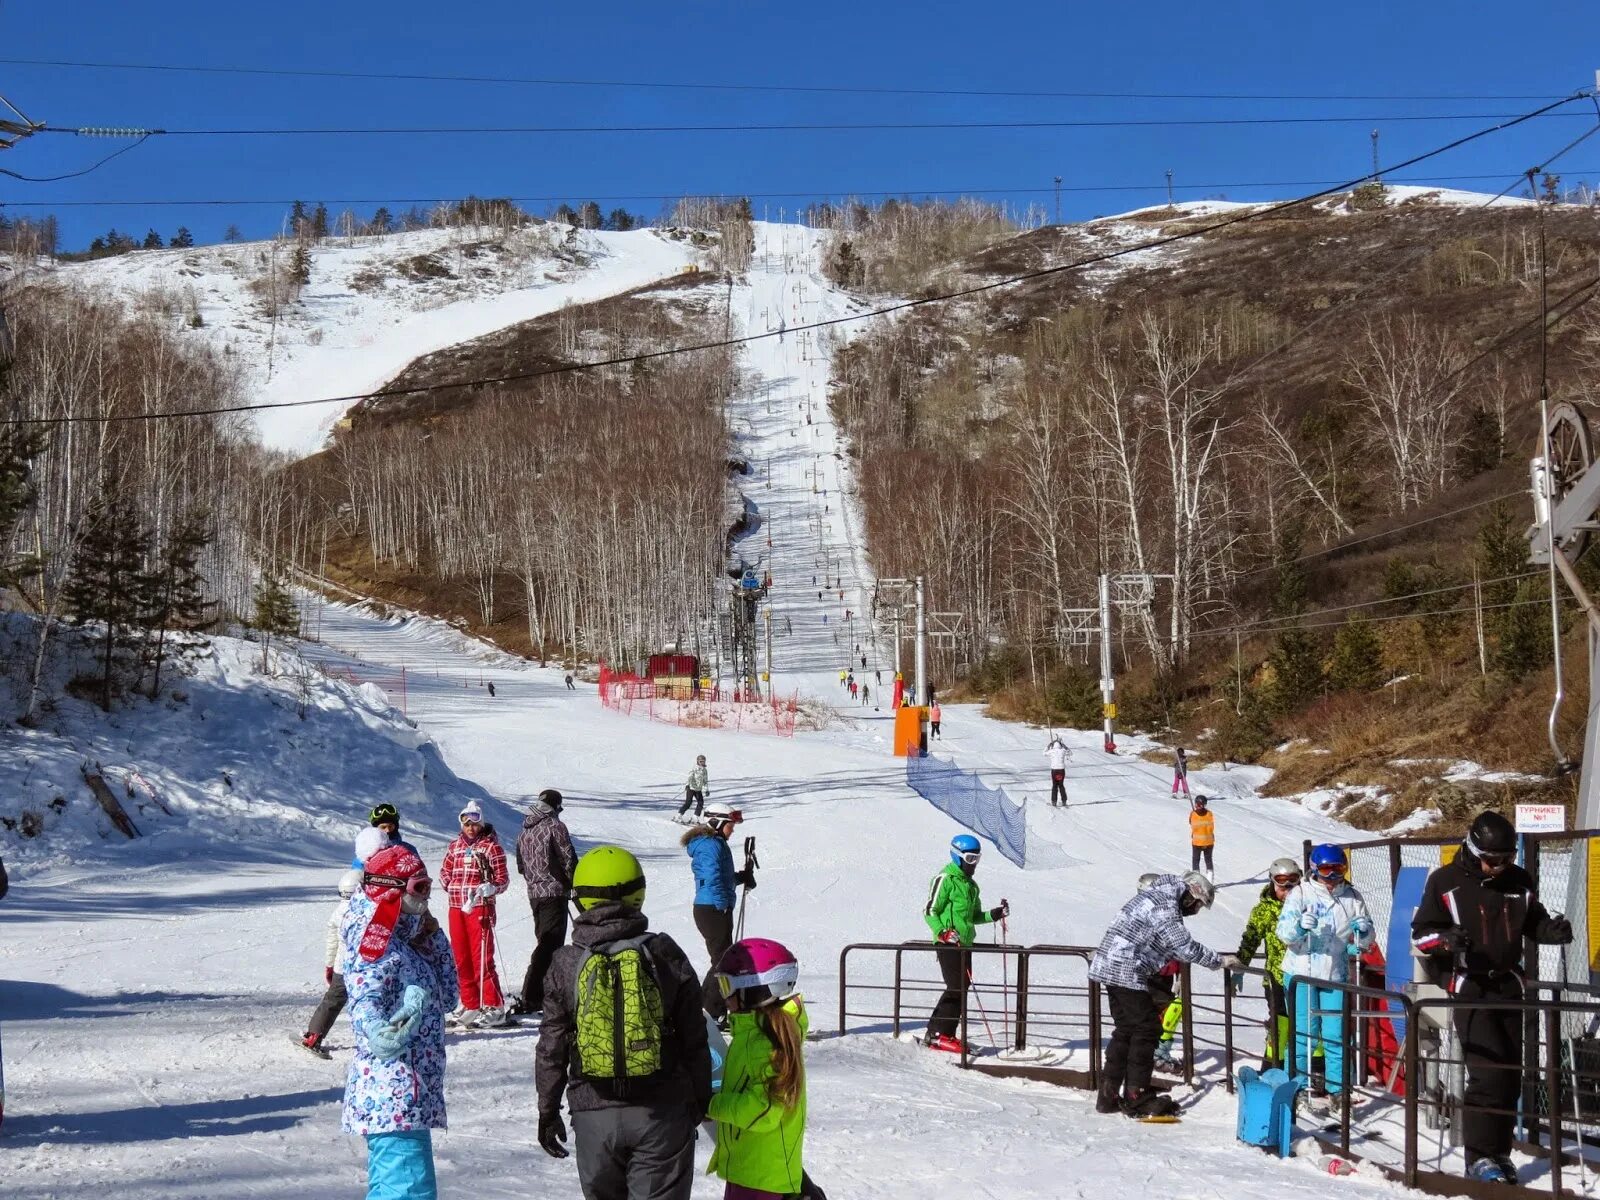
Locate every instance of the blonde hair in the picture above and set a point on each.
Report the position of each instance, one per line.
(788, 1080)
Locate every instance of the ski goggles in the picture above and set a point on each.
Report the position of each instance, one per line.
(969, 857)
(471, 820)
(412, 885)
(1330, 870)
(1498, 859)
(1286, 880)
(733, 817)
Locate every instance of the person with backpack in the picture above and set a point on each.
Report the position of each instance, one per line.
(953, 912)
(694, 789)
(638, 1092)
(399, 972)
(335, 996)
(1202, 836)
(716, 890)
(545, 860)
(1057, 754)
(1476, 916)
(1132, 964)
(473, 874)
(760, 1110)
(1323, 926)
(1261, 932)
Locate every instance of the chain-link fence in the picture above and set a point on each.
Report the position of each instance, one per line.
(964, 797)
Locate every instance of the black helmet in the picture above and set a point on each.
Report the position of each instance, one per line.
(383, 815)
(550, 799)
(1491, 834)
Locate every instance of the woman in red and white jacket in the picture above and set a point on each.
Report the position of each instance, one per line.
(473, 874)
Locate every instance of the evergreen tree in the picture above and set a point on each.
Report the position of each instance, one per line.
(19, 446)
(107, 584)
(620, 219)
(300, 266)
(589, 215)
(1357, 664)
(233, 234)
(299, 219)
(1296, 664)
(1524, 631)
(183, 239)
(176, 592)
(152, 240)
(564, 215)
(276, 615)
(319, 222)
(382, 222)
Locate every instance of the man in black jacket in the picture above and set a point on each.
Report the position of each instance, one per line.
(545, 859)
(1474, 916)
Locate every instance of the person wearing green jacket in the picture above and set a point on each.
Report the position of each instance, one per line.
(760, 1109)
(1261, 932)
(953, 912)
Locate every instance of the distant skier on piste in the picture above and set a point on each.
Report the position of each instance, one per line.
(1180, 772)
(335, 996)
(1147, 934)
(473, 874)
(694, 789)
(1261, 933)
(1202, 837)
(1057, 753)
(953, 912)
(545, 860)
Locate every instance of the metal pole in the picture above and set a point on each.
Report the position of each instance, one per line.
(1108, 685)
(1022, 999)
(921, 696)
(772, 693)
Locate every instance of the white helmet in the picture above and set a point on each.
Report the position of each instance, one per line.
(1284, 866)
(1201, 888)
(718, 814)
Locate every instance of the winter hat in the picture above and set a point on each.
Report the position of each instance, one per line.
(369, 841)
(384, 814)
(391, 873)
(549, 802)
(471, 809)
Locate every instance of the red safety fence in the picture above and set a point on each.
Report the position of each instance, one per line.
(709, 708)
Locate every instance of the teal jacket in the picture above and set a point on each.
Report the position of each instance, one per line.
(759, 1142)
(953, 903)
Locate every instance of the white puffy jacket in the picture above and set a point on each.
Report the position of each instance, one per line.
(1058, 754)
(1323, 952)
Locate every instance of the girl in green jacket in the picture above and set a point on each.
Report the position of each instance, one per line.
(760, 1109)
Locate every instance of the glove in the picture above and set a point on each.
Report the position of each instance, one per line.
(949, 938)
(746, 878)
(1454, 940)
(486, 891)
(1353, 950)
(1361, 927)
(1557, 931)
(412, 1001)
(1000, 911)
(553, 1136)
(327, 976)
(1309, 921)
(1238, 985)
(1230, 962)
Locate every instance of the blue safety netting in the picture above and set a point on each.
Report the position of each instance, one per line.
(961, 795)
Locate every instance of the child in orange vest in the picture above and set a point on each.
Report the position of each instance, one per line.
(1202, 836)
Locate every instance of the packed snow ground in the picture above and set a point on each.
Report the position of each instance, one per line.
(148, 1001)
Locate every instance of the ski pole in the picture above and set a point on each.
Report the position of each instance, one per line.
(972, 987)
(1005, 980)
(1572, 1067)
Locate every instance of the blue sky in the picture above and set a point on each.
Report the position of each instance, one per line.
(1340, 48)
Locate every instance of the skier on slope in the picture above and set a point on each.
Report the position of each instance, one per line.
(1180, 772)
(1202, 836)
(335, 996)
(1261, 932)
(1324, 924)
(953, 912)
(1130, 961)
(694, 790)
(545, 860)
(473, 874)
(1058, 754)
(716, 890)
(1475, 915)
(399, 973)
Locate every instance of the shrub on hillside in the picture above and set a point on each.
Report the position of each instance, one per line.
(1357, 664)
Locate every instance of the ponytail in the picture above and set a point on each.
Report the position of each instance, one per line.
(788, 1065)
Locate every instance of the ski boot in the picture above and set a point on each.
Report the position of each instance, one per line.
(1164, 1061)
(313, 1043)
(469, 1019)
(1147, 1103)
(945, 1042)
(1107, 1100)
(1489, 1170)
(492, 1017)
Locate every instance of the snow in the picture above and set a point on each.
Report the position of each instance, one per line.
(375, 303)
(150, 989)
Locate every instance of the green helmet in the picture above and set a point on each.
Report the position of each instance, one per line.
(608, 873)
(383, 814)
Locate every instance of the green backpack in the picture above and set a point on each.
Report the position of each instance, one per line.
(619, 1015)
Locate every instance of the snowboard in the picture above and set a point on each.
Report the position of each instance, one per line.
(1172, 1120)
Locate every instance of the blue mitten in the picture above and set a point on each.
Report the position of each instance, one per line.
(389, 1041)
(1353, 950)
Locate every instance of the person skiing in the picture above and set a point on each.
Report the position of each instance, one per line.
(1058, 754)
(854, 688)
(334, 997)
(1180, 772)
(694, 790)
(1261, 933)
(1131, 964)
(933, 721)
(760, 1110)
(866, 692)
(545, 860)
(473, 874)
(716, 890)
(1202, 836)
(635, 1113)
(953, 912)
(571, 687)
(398, 971)
(1323, 925)
(1476, 912)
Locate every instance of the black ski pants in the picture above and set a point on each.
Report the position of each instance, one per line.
(1058, 788)
(1196, 853)
(716, 927)
(549, 932)
(955, 965)
(1491, 1043)
(635, 1153)
(691, 796)
(332, 1004)
(1131, 1053)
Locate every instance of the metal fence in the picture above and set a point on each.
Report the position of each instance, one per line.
(964, 797)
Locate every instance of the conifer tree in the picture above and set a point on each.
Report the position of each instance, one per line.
(176, 592)
(300, 266)
(319, 222)
(382, 222)
(1357, 664)
(232, 234)
(19, 446)
(107, 584)
(589, 215)
(276, 614)
(183, 239)
(152, 240)
(620, 219)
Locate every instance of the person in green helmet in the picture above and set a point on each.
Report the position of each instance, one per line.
(624, 1039)
(953, 913)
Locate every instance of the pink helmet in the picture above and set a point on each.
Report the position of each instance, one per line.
(759, 971)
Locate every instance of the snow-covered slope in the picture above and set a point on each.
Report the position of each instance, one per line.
(373, 303)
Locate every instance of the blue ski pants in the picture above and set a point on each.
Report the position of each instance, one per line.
(1319, 1030)
(400, 1166)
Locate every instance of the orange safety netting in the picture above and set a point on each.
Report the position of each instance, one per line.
(705, 708)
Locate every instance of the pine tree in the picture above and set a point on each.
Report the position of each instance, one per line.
(183, 239)
(299, 219)
(564, 215)
(319, 222)
(589, 215)
(1524, 631)
(620, 219)
(176, 592)
(300, 266)
(276, 615)
(233, 234)
(152, 240)
(106, 585)
(382, 222)
(1357, 664)
(19, 446)
(1296, 664)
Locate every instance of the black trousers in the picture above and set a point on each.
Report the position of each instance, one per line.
(690, 796)
(716, 927)
(332, 1004)
(549, 932)
(1058, 788)
(1196, 853)
(955, 965)
(1491, 1043)
(1131, 1053)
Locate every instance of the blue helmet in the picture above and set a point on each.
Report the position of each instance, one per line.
(1329, 860)
(965, 849)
